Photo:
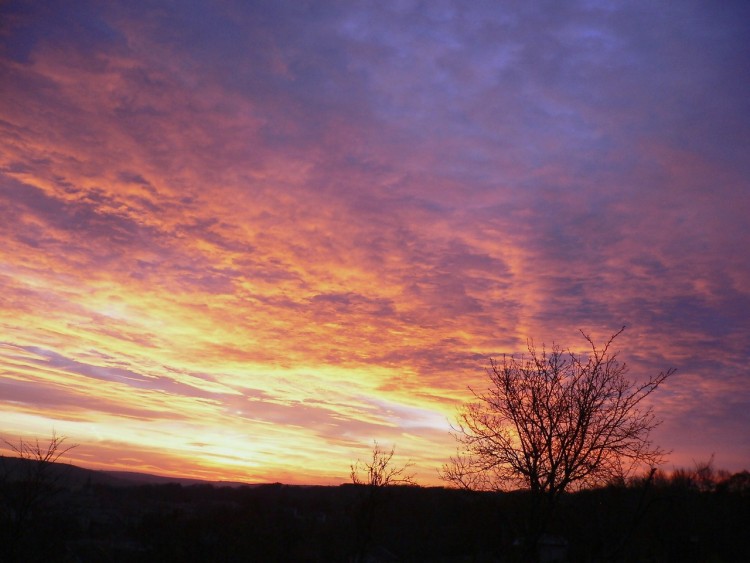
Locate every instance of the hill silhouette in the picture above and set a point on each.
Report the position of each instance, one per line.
(70, 475)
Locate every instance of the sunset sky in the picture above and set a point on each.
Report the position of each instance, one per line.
(243, 240)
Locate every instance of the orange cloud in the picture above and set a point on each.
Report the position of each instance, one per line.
(241, 247)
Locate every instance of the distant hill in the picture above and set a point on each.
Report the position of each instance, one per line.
(15, 468)
(134, 477)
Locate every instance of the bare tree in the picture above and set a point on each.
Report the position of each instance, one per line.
(463, 472)
(27, 485)
(41, 458)
(379, 471)
(555, 420)
(375, 477)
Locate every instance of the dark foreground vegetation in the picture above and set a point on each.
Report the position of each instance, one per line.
(81, 515)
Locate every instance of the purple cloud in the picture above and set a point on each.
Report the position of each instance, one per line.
(397, 191)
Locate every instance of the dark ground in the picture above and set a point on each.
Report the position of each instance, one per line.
(80, 515)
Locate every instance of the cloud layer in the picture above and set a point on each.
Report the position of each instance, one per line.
(243, 240)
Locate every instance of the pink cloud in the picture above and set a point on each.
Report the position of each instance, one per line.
(253, 210)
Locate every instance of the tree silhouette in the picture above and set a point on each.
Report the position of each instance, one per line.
(375, 476)
(379, 471)
(554, 421)
(27, 486)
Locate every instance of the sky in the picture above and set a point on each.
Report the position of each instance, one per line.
(243, 240)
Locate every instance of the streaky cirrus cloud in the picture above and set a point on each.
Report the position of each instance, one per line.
(243, 240)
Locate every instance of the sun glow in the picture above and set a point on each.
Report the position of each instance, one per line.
(247, 247)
